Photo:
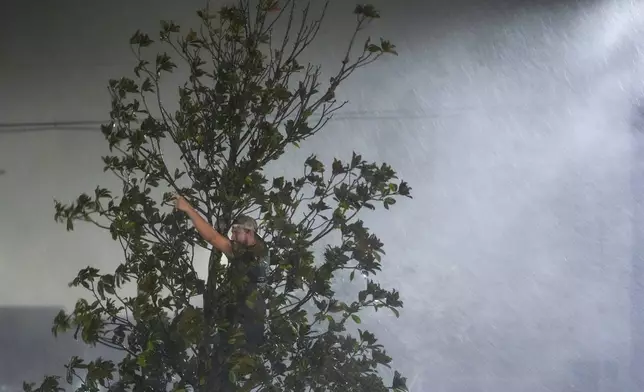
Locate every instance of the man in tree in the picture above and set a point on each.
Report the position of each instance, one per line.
(247, 255)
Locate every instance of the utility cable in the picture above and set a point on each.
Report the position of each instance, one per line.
(357, 115)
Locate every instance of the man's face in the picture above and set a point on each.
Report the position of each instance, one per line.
(242, 236)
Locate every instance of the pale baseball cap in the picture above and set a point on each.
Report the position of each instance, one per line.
(245, 222)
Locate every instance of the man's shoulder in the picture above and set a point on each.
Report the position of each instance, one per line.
(260, 249)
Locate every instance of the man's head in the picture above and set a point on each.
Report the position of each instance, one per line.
(244, 230)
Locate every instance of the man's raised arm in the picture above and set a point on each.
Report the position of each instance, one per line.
(207, 232)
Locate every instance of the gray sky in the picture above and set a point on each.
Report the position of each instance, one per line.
(512, 122)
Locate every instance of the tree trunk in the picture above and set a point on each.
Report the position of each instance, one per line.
(214, 350)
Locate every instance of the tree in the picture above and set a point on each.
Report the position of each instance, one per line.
(247, 100)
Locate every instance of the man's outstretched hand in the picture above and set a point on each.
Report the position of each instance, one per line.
(181, 204)
(205, 230)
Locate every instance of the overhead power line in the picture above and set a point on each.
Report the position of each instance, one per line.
(357, 115)
(23, 127)
(26, 127)
(51, 123)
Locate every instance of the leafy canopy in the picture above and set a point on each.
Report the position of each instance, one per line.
(247, 100)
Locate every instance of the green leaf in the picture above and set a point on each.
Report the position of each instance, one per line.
(362, 296)
(191, 36)
(389, 201)
(140, 39)
(388, 47)
(164, 63)
(404, 189)
(315, 165)
(356, 159)
(147, 85)
(356, 319)
(141, 361)
(337, 167)
(367, 10)
(399, 382)
(169, 26)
